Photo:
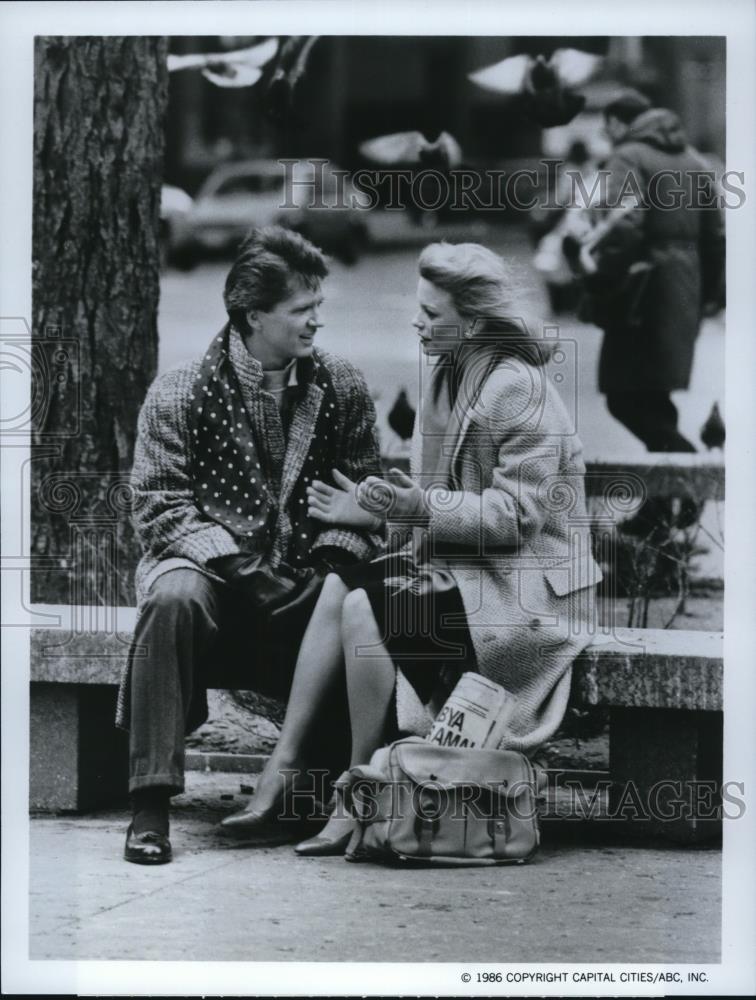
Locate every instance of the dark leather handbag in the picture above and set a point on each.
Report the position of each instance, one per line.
(427, 804)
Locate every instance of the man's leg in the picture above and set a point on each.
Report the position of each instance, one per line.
(175, 630)
(664, 415)
(651, 416)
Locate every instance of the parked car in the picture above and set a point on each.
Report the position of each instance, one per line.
(237, 196)
(174, 203)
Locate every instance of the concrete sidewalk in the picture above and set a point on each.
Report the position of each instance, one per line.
(221, 901)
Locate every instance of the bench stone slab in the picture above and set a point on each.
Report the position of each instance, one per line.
(663, 689)
(663, 476)
(635, 668)
(651, 668)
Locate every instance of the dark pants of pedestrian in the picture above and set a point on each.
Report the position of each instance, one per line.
(195, 633)
(651, 416)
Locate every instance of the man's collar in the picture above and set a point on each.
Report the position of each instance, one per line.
(247, 367)
(300, 370)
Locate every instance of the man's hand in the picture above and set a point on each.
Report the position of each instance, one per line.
(265, 587)
(327, 558)
(232, 568)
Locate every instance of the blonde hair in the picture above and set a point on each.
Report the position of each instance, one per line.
(476, 278)
(479, 284)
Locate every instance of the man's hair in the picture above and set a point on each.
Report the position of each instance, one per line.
(627, 106)
(260, 277)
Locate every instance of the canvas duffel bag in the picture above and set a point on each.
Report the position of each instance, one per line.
(420, 802)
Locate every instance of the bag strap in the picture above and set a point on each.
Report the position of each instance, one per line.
(427, 826)
(424, 831)
(500, 832)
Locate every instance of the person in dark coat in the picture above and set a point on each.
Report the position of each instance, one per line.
(663, 261)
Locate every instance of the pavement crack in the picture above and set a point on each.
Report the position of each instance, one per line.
(143, 895)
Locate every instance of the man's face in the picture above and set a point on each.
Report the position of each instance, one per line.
(287, 330)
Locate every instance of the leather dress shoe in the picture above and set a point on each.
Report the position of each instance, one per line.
(148, 848)
(323, 846)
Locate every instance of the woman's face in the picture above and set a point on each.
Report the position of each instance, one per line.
(439, 326)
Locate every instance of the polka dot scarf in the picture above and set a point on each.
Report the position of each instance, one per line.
(229, 462)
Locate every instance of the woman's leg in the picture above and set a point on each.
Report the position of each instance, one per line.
(370, 677)
(318, 664)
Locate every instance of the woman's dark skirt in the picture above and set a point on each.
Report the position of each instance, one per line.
(420, 617)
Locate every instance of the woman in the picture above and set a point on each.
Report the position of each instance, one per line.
(497, 576)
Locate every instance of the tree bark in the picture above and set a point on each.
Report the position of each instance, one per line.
(98, 148)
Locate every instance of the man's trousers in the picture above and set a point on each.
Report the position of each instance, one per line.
(195, 633)
(651, 416)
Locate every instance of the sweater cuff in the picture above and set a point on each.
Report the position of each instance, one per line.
(209, 542)
(358, 546)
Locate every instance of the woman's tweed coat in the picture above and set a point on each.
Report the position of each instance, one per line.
(527, 581)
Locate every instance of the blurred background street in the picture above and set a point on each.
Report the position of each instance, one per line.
(367, 317)
(223, 174)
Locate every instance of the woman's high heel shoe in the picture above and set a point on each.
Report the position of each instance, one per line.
(336, 835)
(249, 821)
(323, 845)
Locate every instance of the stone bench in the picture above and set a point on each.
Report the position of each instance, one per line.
(662, 475)
(663, 690)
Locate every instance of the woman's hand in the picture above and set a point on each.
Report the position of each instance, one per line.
(402, 500)
(339, 506)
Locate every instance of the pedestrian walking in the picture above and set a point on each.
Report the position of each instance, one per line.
(657, 269)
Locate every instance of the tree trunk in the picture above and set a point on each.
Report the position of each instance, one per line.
(98, 149)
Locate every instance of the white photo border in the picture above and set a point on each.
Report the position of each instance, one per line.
(735, 19)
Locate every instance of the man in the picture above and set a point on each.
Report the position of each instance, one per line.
(661, 263)
(231, 563)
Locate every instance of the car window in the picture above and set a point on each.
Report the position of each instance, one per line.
(248, 184)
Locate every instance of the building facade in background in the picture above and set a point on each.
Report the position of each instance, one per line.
(360, 87)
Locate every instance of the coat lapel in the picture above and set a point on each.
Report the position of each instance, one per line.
(459, 424)
(301, 431)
